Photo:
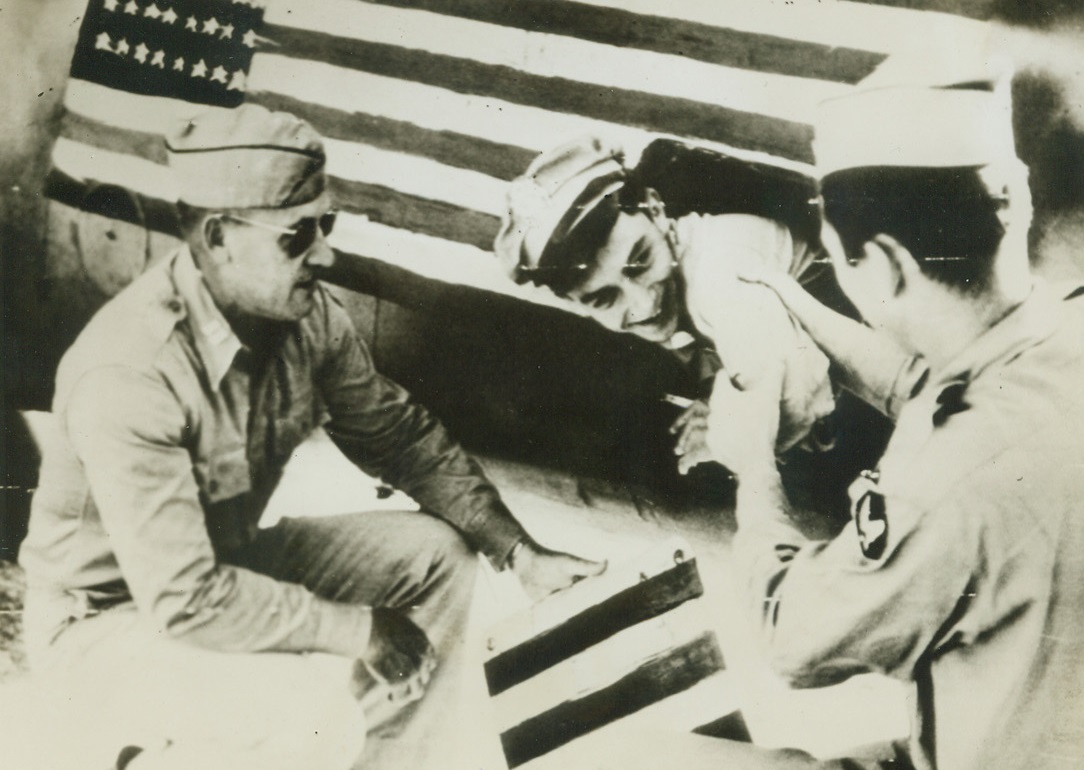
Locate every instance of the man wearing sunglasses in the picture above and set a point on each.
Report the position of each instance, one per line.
(178, 408)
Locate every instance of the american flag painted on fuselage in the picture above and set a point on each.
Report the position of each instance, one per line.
(431, 106)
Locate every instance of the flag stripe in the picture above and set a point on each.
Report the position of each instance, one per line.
(415, 176)
(666, 675)
(646, 600)
(620, 27)
(439, 109)
(93, 133)
(554, 56)
(975, 9)
(158, 215)
(503, 161)
(658, 113)
(391, 207)
(858, 25)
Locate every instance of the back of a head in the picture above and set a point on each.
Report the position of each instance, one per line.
(931, 164)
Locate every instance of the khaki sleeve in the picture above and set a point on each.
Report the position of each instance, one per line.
(128, 431)
(872, 598)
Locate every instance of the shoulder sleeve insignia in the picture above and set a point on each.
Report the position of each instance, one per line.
(871, 523)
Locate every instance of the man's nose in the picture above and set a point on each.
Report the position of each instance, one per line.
(320, 254)
(640, 305)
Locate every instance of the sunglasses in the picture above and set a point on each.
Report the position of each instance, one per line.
(302, 235)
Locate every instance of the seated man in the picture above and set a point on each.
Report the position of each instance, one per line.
(172, 622)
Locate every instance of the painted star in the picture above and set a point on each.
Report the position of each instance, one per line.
(141, 52)
(211, 26)
(199, 70)
(249, 38)
(103, 43)
(169, 16)
(191, 23)
(219, 75)
(152, 11)
(178, 64)
(237, 82)
(132, 8)
(110, 5)
(122, 47)
(159, 59)
(227, 32)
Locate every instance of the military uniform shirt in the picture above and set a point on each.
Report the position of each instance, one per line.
(172, 437)
(963, 566)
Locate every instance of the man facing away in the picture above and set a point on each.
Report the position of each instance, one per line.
(962, 569)
(173, 623)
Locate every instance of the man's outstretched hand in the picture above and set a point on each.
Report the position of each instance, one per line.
(397, 662)
(542, 571)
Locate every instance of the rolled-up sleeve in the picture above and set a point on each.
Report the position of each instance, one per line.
(378, 426)
(128, 430)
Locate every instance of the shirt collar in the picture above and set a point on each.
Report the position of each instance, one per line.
(1031, 322)
(215, 340)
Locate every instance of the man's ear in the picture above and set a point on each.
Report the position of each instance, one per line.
(892, 262)
(213, 234)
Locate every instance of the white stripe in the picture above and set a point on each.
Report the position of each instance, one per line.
(566, 604)
(832, 23)
(546, 55)
(435, 258)
(358, 162)
(601, 665)
(439, 109)
(416, 176)
(85, 162)
(151, 114)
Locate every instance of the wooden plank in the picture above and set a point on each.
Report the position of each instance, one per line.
(648, 599)
(668, 674)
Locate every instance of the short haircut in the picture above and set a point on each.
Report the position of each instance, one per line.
(946, 217)
(567, 258)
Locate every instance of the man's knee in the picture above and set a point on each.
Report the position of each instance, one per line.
(443, 564)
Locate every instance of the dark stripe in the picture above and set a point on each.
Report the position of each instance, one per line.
(975, 9)
(647, 599)
(691, 40)
(731, 727)
(655, 680)
(157, 214)
(664, 114)
(128, 141)
(503, 161)
(421, 215)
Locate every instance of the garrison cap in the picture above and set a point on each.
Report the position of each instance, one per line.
(556, 192)
(930, 111)
(248, 157)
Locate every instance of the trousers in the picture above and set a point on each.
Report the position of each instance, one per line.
(111, 679)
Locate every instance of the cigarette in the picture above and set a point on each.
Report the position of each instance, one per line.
(679, 401)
